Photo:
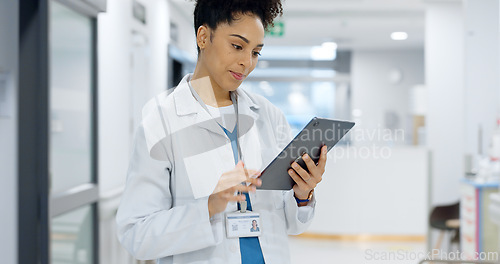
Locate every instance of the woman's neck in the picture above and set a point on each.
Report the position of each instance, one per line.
(209, 91)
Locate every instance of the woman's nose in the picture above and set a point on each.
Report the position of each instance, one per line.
(246, 60)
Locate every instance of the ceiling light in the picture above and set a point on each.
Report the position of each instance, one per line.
(327, 51)
(399, 35)
(329, 45)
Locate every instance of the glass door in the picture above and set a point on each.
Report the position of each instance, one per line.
(73, 185)
(57, 139)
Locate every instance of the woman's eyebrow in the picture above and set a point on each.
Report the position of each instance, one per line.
(245, 39)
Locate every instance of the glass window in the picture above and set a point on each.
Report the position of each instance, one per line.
(70, 98)
(300, 101)
(72, 237)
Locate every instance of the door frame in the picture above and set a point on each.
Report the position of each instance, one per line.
(36, 205)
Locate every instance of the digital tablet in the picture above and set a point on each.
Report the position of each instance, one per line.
(317, 133)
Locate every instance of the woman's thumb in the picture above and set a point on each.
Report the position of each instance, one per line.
(240, 164)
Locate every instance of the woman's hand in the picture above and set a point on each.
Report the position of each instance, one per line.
(230, 183)
(305, 181)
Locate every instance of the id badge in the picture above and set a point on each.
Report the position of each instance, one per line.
(243, 224)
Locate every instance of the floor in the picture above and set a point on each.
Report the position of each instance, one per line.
(323, 251)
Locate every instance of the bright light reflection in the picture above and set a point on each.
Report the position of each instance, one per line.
(399, 35)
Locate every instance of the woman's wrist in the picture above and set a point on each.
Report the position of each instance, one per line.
(304, 198)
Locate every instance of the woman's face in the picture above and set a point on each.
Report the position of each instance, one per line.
(230, 53)
(254, 223)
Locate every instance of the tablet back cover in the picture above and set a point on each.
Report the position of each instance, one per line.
(318, 132)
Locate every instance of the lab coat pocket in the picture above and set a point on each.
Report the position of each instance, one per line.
(205, 169)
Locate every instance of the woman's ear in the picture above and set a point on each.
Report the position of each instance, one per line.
(202, 36)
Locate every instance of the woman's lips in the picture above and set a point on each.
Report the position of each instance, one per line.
(237, 76)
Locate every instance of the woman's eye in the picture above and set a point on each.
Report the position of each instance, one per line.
(238, 47)
(256, 53)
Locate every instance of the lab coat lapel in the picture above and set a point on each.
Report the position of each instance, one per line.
(248, 133)
(212, 155)
(204, 168)
(186, 104)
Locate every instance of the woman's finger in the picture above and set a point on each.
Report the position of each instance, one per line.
(322, 158)
(228, 181)
(298, 180)
(311, 166)
(235, 177)
(249, 173)
(256, 182)
(230, 197)
(236, 198)
(301, 172)
(243, 188)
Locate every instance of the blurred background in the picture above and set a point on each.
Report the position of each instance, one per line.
(420, 170)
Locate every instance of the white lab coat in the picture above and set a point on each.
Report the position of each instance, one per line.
(179, 154)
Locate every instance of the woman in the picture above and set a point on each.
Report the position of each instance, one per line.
(254, 228)
(182, 179)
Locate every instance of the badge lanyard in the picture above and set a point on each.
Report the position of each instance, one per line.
(234, 99)
(237, 223)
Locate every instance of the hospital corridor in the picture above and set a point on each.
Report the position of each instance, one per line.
(249, 131)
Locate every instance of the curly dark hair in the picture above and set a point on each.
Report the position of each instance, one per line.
(214, 12)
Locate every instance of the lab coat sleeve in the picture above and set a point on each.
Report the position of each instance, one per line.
(297, 218)
(148, 226)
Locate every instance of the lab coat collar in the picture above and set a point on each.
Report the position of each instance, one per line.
(186, 104)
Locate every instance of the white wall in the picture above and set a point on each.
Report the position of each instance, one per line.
(444, 71)
(186, 39)
(115, 71)
(125, 64)
(374, 94)
(481, 72)
(373, 194)
(376, 187)
(114, 63)
(158, 33)
(9, 10)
